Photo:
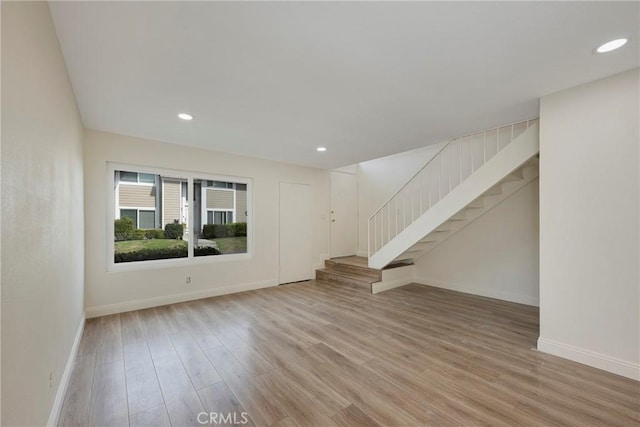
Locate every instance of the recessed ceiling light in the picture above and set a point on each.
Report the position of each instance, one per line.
(321, 149)
(612, 45)
(185, 116)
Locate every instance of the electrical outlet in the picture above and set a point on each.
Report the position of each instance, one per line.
(187, 280)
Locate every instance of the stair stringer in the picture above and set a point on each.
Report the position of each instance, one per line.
(529, 172)
(502, 164)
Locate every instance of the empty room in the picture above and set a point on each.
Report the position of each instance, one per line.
(279, 213)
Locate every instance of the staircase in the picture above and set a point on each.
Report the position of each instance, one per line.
(353, 270)
(467, 178)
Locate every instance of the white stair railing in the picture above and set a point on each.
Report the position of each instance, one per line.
(451, 166)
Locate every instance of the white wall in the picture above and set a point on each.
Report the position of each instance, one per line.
(117, 291)
(589, 204)
(42, 215)
(0, 238)
(494, 256)
(379, 179)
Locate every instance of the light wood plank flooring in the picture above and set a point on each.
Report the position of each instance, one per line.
(319, 354)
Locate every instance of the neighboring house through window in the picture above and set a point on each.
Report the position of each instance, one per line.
(136, 198)
(222, 202)
(155, 200)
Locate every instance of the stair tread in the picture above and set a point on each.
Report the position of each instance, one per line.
(398, 264)
(353, 266)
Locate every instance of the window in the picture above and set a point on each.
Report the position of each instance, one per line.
(137, 178)
(158, 216)
(219, 217)
(128, 176)
(147, 178)
(220, 184)
(222, 222)
(130, 213)
(145, 219)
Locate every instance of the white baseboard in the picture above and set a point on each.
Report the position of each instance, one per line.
(56, 409)
(386, 285)
(483, 292)
(123, 307)
(591, 358)
(362, 254)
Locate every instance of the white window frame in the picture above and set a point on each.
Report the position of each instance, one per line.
(137, 209)
(113, 213)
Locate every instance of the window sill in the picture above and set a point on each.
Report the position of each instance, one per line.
(175, 262)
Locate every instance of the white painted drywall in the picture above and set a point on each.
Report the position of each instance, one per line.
(295, 233)
(589, 250)
(494, 256)
(125, 290)
(379, 179)
(42, 214)
(0, 229)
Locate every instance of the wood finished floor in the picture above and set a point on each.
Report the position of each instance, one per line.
(319, 354)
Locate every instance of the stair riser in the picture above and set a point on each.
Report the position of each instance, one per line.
(334, 278)
(354, 269)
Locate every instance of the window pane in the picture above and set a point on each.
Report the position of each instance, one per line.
(218, 205)
(164, 204)
(219, 218)
(147, 178)
(130, 213)
(222, 184)
(128, 176)
(147, 219)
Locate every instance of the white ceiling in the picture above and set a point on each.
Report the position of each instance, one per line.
(276, 80)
